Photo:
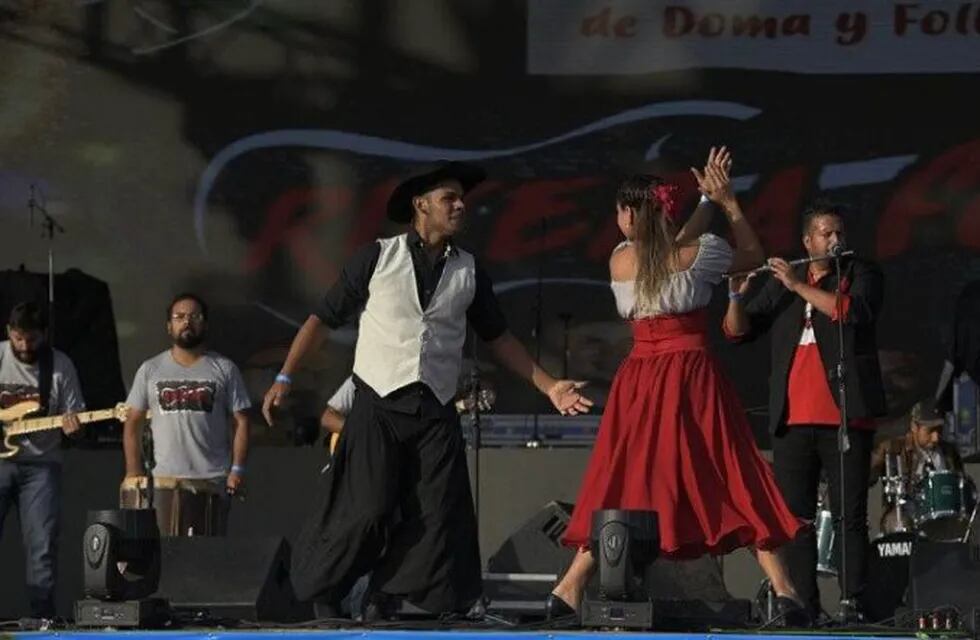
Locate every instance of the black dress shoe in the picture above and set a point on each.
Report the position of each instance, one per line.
(555, 608)
(378, 607)
(791, 613)
(326, 610)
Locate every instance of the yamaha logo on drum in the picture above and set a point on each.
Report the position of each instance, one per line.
(895, 549)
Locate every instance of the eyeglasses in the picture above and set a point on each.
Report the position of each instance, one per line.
(190, 317)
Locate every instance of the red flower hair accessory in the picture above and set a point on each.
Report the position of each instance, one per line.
(667, 195)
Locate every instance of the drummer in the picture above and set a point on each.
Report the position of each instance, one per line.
(197, 402)
(921, 449)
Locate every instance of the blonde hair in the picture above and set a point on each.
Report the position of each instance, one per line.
(655, 239)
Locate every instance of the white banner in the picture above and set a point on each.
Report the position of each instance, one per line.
(584, 37)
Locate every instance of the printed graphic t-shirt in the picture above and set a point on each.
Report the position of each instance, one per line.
(190, 410)
(19, 383)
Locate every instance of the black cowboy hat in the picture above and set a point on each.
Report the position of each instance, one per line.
(400, 203)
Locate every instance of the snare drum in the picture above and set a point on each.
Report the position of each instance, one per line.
(184, 506)
(943, 502)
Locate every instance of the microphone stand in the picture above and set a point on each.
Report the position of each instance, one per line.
(847, 605)
(477, 434)
(535, 440)
(565, 318)
(49, 227)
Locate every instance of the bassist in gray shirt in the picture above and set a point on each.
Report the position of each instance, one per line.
(30, 479)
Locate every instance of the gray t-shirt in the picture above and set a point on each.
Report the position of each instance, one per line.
(18, 383)
(189, 412)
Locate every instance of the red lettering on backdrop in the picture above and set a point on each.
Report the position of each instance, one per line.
(598, 25)
(903, 17)
(625, 27)
(517, 233)
(277, 222)
(774, 211)
(678, 21)
(287, 226)
(606, 239)
(932, 191)
(481, 190)
(968, 230)
(373, 214)
(609, 234)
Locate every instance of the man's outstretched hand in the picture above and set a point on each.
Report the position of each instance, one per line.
(564, 394)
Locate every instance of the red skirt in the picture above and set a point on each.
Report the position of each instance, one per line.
(674, 439)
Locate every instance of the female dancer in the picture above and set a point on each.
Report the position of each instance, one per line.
(674, 438)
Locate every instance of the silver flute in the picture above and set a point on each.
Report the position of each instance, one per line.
(766, 267)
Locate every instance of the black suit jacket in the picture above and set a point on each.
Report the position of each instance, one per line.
(778, 311)
(964, 352)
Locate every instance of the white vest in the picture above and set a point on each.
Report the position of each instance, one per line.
(398, 343)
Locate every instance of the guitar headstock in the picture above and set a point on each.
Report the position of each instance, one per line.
(120, 412)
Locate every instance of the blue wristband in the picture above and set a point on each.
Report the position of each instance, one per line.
(283, 378)
(734, 295)
(237, 468)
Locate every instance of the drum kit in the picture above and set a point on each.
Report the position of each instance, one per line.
(939, 505)
(936, 505)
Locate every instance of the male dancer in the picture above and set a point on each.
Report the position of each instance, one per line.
(396, 501)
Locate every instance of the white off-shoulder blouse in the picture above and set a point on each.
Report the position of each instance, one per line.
(685, 290)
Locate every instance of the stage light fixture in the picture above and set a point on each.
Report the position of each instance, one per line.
(121, 569)
(623, 543)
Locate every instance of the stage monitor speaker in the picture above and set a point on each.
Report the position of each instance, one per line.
(237, 578)
(946, 575)
(536, 547)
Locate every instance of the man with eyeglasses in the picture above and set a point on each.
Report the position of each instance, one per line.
(196, 401)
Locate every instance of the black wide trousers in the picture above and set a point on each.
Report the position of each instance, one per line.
(394, 502)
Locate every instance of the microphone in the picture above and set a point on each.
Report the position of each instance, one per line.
(836, 250)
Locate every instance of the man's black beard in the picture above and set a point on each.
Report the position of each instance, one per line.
(190, 342)
(27, 357)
